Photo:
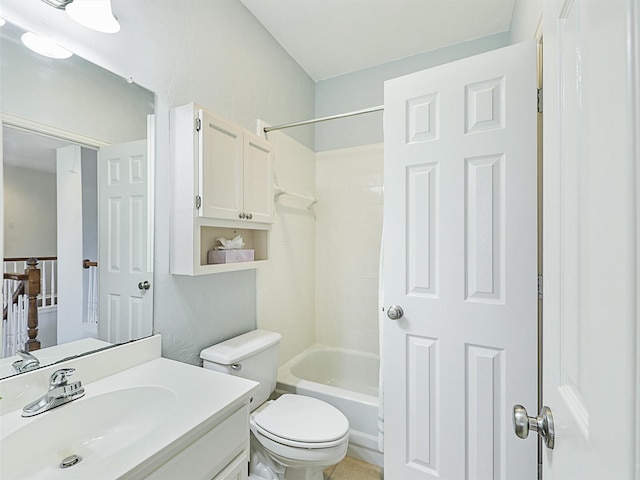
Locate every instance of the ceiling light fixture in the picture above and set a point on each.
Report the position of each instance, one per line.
(44, 46)
(58, 3)
(93, 14)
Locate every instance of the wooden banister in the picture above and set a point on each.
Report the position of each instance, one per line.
(32, 290)
(31, 285)
(86, 263)
(24, 259)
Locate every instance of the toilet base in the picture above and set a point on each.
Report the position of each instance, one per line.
(268, 465)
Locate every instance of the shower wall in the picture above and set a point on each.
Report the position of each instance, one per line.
(285, 286)
(349, 188)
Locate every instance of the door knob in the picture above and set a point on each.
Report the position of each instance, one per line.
(144, 285)
(543, 424)
(395, 312)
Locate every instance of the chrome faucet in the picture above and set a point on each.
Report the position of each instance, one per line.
(27, 362)
(60, 392)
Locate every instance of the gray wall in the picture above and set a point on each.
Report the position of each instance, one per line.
(71, 94)
(365, 88)
(30, 213)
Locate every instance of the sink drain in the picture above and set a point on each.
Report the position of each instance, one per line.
(70, 461)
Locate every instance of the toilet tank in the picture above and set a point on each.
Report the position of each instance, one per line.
(253, 355)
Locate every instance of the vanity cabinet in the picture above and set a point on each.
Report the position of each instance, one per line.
(222, 186)
(220, 454)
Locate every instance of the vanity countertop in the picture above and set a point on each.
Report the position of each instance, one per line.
(191, 401)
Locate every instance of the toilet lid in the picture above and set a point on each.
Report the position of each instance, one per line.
(303, 419)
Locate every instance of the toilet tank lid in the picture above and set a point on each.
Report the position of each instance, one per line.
(238, 348)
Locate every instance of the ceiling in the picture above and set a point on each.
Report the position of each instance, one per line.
(29, 150)
(333, 37)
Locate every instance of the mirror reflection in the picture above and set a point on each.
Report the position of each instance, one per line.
(77, 206)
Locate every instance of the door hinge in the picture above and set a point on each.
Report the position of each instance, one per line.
(198, 124)
(540, 286)
(198, 202)
(539, 100)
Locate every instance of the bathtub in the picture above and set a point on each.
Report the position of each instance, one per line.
(346, 379)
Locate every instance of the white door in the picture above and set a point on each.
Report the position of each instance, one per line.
(124, 264)
(460, 257)
(591, 239)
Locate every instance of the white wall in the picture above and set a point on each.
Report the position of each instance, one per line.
(524, 23)
(348, 235)
(30, 213)
(286, 287)
(70, 270)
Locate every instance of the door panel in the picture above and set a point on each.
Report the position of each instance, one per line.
(125, 309)
(591, 238)
(461, 258)
(258, 178)
(220, 167)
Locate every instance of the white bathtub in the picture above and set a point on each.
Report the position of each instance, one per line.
(346, 379)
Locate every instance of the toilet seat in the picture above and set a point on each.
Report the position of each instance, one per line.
(303, 422)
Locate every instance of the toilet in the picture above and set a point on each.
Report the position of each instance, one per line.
(293, 437)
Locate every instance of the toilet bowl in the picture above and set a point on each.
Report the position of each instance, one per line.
(292, 437)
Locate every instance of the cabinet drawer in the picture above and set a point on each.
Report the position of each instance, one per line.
(210, 454)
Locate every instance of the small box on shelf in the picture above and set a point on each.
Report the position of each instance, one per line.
(230, 256)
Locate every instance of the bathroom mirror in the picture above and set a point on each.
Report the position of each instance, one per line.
(77, 185)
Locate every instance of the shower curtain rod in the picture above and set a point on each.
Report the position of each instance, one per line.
(324, 119)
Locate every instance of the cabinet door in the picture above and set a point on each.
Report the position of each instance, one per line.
(237, 469)
(220, 167)
(258, 179)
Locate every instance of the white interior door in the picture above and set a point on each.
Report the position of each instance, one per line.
(591, 242)
(461, 260)
(125, 302)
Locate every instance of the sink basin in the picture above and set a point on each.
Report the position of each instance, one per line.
(91, 428)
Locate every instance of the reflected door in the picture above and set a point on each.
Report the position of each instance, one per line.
(460, 258)
(126, 303)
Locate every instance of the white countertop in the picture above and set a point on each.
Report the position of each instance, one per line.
(203, 398)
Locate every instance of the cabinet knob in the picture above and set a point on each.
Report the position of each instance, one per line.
(249, 216)
(242, 215)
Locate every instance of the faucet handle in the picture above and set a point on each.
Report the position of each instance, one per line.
(59, 377)
(26, 363)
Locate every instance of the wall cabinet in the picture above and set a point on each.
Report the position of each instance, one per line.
(235, 171)
(222, 186)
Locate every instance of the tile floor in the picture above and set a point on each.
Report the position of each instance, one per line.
(352, 469)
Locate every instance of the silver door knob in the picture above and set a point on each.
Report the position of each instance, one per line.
(395, 312)
(543, 424)
(144, 285)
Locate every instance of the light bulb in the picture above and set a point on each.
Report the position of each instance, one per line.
(44, 46)
(94, 14)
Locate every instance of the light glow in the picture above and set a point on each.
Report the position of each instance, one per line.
(94, 14)
(2, 21)
(44, 46)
